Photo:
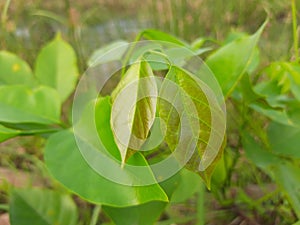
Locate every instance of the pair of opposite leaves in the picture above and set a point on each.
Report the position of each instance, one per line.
(135, 103)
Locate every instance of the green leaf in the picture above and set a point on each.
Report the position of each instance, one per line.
(7, 133)
(231, 61)
(283, 171)
(111, 52)
(157, 35)
(279, 116)
(132, 102)
(198, 107)
(284, 140)
(56, 67)
(41, 207)
(249, 95)
(294, 70)
(102, 118)
(293, 111)
(265, 99)
(189, 184)
(14, 70)
(286, 76)
(222, 171)
(257, 154)
(232, 36)
(94, 136)
(288, 178)
(62, 151)
(20, 104)
(271, 92)
(65, 161)
(146, 214)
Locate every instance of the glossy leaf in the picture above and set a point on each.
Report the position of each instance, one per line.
(20, 104)
(192, 100)
(41, 207)
(94, 136)
(7, 133)
(146, 213)
(56, 67)
(14, 70)
(230, 62)
(133, 109)
(111, 52)
(64, 160)
(62, 152)
(102, 121)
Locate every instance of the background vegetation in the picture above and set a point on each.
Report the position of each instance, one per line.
(250, 195)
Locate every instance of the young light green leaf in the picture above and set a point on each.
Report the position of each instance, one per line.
(7, 133)
(41, 207)
(14, 70)
(263, 100)
(204, 120)
(21, 104)
(133, 108)
(286, 75)
(111, 52)
(56, 67)
(231, 61)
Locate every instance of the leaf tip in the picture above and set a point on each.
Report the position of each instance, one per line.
(58, 36)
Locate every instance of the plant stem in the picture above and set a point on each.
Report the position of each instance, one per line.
(129, 52)
(4, 13)
(95, 215)
(295, 33)
(200, 206)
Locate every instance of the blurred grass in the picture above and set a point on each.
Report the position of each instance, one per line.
(89, 24)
